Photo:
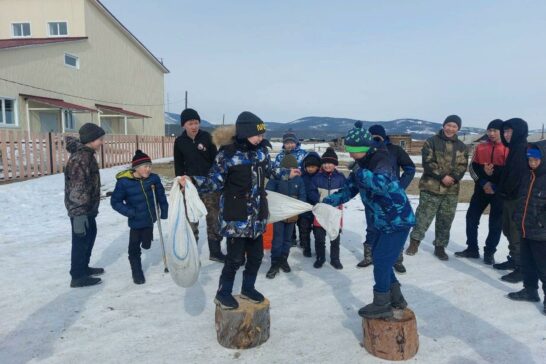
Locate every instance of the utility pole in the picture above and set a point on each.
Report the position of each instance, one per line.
(224, 120)
(542, 136)
(186, 100)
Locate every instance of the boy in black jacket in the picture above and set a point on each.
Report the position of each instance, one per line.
(531, 221)
(194, 154)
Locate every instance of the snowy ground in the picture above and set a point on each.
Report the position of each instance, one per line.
(462, 314)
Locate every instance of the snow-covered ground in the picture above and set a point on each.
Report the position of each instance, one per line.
(462, 313)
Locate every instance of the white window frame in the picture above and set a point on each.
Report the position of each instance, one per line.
(67, 118)
(4, 124)
(77, 67)
(21, 36)
(48, 30)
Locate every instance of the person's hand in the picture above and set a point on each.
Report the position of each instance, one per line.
(448, 181)
(488, 189)
(294, 172)
(488, 169)
(80, 225)
(182, 181)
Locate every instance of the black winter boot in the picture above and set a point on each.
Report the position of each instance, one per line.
(397, 299)
(489, 258)
(248, 292)
(319, 262)
(380, 308)
(508, 265)
(136, 270)
(413, 248)
(514, 277)
(84, 282)
(320, 249)
(440, 253)
(399, 265)
(95, 271)
(274, 270)
(216, 254)
(526, 294)
(468, 253)
(367, 261)
(224, 298)
(334, 255)
(284, 264)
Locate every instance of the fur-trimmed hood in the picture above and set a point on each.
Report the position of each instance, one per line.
(225, 135)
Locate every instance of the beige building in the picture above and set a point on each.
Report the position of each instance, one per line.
(67, 62)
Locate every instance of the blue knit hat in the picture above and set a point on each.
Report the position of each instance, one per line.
(358, 139)
(534, 153)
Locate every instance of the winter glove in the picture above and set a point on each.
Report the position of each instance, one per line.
(80, 225)
(164, 215)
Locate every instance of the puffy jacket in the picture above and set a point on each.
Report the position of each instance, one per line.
(81, 180)
(296, 152)
(516, 168)
(530, 215)
(443, 156)
(239, 172)
(324, 184)
(294, 187)
(306, 177)
(133, 198)
(488, 152)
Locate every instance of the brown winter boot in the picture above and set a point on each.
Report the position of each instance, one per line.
(413, 247)
(440, 252)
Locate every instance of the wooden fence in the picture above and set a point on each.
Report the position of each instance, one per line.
(22, 157)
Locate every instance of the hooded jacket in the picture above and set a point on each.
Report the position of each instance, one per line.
(516, 168)
(530, 216)
(133, 197)
(81, 180)
(488, 152)
(296, 152)
(194, 157)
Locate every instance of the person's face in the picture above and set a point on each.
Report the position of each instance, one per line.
(192, 127)
(311, 169)
(534, 163)
(493, 134)
(144, 170)
(256, 139)
(357, 156)
(96, 144)
(450, 129)
(289, 146)
(328, 167)
(508, 134)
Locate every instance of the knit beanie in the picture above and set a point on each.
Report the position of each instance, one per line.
(534, 152)
(289, 161)
(453, 119)
(358, 139)
(140, 158)
(378, 130)
(289, 136)
(495, 124)
(248, 125)
(330, 156)
(90, 132)
(312, 160)
(189, 114)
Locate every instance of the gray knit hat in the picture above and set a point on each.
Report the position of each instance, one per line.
(90, 132)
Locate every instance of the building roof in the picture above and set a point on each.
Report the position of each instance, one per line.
(25, 42)
(119, 110)
(61, 104)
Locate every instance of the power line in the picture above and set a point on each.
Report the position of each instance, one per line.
(87, 98)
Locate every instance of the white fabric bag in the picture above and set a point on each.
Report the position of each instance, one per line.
(282, 207)
(180, 245)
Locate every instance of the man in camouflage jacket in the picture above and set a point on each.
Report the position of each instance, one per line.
(445, 161)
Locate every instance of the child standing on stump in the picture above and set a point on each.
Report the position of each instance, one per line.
(82, 199)
(239, 172)
(282, 230)
(531, 221)
(392, 217)
(133, 197)
(311, 166)
(323, 184)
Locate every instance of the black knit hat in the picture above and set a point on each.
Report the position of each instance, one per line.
(289, 161)
(454, 119)
(248, 125)
(140, 158)
(189, 114)
(289, 136)
(90, 132)
(378, 130)
(330, 156)
(495, 124)
(312, 159)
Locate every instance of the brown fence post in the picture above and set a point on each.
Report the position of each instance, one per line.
(163, 146)
(102, 156)
(137, 142)
(50, 153)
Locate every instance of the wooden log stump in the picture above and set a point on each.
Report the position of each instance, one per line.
(394, 338)
(245, 327)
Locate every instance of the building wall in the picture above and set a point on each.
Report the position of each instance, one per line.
(39, 13)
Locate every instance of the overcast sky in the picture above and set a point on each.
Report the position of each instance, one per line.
(370, 60)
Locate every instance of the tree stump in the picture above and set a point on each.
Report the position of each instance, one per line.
(394, 338)
(245, 327)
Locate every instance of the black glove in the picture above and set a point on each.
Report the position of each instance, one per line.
(80, 225)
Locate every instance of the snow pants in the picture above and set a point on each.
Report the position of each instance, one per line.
(282, 239)
(385, 252)
(236, 250)
(510, 230)
(305, 226)
(479, 201)
(82, 247)
(320, 245)
(533, 264)
(372, 234)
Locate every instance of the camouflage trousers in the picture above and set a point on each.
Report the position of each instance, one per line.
(441, 207)
(212, 203)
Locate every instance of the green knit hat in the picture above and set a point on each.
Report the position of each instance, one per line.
(358, 139)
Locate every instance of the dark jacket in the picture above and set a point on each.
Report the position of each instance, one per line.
(324, 184)
(516, 168)
(194, 157)
(306, 177)
(530, 215)
(81, 180)
(133, 198)
(401, 160)
(488, 153)
(293, 187)
(297, 152)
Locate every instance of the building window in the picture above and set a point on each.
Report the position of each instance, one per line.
(8, 112)
(20, 30)
(71, 61)
(403, 144)
(58, 29)
(69, 120)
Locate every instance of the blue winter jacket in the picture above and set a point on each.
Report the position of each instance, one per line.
(306, 177)
(297, 152)
(294, 187)
(133, 197)
(327, 183)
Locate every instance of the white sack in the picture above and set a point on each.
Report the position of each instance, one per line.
(180, 245)
(282, 207)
